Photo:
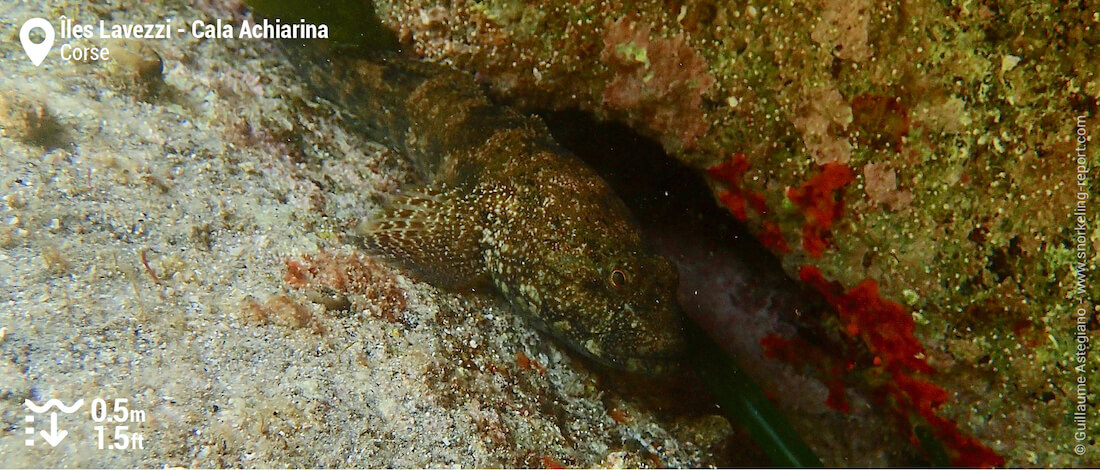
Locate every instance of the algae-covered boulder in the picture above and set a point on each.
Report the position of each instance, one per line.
(926, 167)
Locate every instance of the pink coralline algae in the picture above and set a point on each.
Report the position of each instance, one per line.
(658, 81)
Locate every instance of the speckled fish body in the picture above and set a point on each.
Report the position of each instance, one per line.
(503, 203)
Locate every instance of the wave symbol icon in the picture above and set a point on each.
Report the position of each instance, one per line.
(53, 402)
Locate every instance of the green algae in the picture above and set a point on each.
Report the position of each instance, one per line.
(748, 405)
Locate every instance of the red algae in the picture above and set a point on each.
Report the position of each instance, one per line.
(886, 330)
(818, 201)
(772, 237)
(799, 352)
(836, 399)
(735, 202)
(730, 173)
(756, 201)
(348, 274)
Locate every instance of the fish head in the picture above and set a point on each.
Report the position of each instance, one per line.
(618, 308)
(568, 254)
(642, 331)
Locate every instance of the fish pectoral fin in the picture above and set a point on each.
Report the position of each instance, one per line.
(431, 234)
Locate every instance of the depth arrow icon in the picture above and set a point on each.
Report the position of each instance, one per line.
(54, 437)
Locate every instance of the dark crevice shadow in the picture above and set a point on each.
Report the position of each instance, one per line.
(671, 200)
(673, 205)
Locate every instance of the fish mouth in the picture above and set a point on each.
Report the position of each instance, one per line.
(645, 352)
(655, 364)
(651, 365)
(612, 349)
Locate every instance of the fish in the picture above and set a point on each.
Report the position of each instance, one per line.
(497, 202)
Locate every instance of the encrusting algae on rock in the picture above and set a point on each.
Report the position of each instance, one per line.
(503, 204)
(960, 181)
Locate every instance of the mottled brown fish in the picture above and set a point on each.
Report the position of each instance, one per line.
(502, 202)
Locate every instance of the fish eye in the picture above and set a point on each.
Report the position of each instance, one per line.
(618, 278)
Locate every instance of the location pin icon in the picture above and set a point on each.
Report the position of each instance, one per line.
(36, 52)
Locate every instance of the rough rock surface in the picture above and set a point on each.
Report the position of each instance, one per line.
(922, 155)
(175, 239)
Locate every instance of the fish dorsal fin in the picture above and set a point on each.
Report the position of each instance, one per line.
(432, 234)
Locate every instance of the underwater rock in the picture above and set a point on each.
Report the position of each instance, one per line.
(189, 255)
(137, 66)
(960, 183)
